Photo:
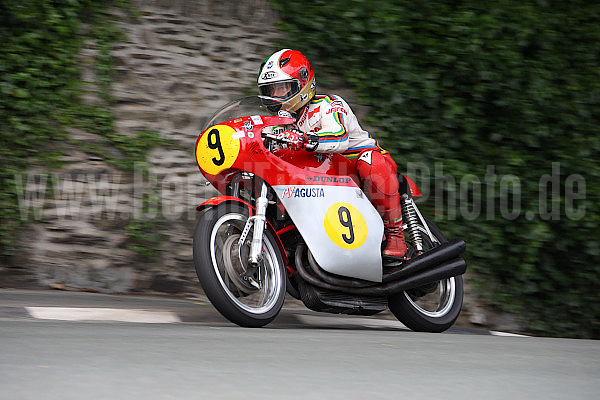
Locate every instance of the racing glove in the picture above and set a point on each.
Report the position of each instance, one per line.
(297, 140)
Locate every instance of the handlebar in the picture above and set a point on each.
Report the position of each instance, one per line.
(274, 137)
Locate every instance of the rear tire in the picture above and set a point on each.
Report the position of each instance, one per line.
(434, 307)
(218, 266)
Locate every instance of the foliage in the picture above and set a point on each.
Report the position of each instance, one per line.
(38, 75)
(40, 95)
(511, 84)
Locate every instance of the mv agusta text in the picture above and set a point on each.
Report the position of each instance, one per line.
(297, 222)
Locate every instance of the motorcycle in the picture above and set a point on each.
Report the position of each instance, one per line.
(298, 222)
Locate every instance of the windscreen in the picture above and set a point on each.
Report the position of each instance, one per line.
(253, 105)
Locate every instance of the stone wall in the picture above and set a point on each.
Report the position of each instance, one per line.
(180, 62)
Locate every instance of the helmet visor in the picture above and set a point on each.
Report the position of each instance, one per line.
(282, 90)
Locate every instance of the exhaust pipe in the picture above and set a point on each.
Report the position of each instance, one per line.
(444, 271)
(435, 256)
(447, 270)
(437, 264)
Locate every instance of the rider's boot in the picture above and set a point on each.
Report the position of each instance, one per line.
(378, 173)
(396, 244)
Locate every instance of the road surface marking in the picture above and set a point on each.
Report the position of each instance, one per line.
(496, 333)
(103, 314)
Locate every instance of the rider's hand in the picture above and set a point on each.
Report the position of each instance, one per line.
(297, 140)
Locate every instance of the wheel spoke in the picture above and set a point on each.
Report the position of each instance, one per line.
(229, 267)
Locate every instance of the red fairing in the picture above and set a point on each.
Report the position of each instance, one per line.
(414, 189)
(283, 167)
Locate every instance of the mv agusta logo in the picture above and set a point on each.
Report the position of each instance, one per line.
(294, 192)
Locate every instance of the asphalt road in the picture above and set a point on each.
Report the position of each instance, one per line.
(306, 355)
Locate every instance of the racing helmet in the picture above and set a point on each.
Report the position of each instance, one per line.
(286, 81)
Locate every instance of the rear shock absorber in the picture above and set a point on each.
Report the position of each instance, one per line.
(411, 219)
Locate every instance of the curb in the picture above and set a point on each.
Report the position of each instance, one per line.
(291, 318)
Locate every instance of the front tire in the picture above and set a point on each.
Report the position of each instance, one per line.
(219, 268)
(434, 307)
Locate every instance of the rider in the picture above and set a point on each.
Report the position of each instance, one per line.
(328, 122)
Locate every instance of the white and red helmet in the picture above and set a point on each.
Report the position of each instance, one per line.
(286, 80)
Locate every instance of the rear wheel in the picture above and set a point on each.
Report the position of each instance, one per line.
(433, 307)
(221, 266)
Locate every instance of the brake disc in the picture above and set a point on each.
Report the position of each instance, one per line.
(234, 266)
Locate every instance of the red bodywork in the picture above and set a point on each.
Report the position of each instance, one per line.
(414, 189)
(286, 167)
(221, 199)
(283, 167)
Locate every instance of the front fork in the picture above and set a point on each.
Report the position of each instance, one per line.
(257, 223)
(260, 220)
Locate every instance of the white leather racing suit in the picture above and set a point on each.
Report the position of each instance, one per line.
(331, 118)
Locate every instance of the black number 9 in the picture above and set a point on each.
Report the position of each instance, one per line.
(346, 221)
(214, 142)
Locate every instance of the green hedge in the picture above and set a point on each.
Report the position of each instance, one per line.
(38, 77)
(511, 84)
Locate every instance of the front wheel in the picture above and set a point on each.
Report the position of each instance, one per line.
(221, 266)
(433, 307)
